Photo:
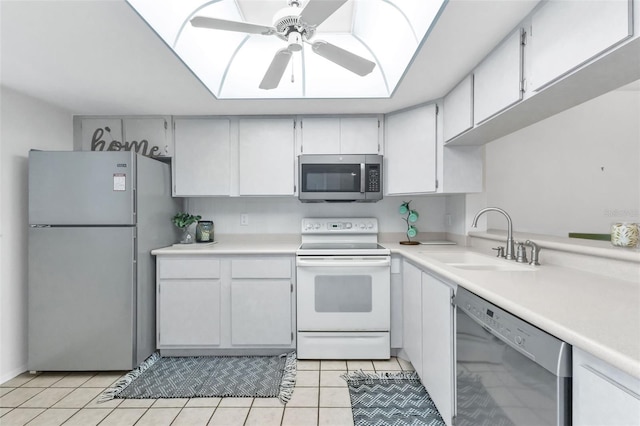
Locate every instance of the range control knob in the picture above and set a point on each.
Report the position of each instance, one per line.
(316, 226)
(308, 226)
(519, 340)
(370, 225)
(362, 226)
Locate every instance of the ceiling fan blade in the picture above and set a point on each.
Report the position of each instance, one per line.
(316, 11)
(344, 58)
(222, 24)
(277, 68)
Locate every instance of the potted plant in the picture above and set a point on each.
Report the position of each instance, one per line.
(184, 221)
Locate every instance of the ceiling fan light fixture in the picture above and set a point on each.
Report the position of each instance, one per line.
(295, 41)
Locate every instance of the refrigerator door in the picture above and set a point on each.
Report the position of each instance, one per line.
(81, 298)
(81, 188)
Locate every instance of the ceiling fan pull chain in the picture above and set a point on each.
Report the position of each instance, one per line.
(292, 79)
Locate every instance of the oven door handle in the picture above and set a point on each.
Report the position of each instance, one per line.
(346, 262)
(362, 179)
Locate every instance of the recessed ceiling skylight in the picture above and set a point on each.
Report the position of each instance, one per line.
(360, 50)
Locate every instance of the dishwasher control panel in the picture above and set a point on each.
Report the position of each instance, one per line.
(517, 333)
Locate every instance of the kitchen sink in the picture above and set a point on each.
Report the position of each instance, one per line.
(477, 262)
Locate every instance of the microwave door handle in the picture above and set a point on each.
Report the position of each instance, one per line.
(362, 178)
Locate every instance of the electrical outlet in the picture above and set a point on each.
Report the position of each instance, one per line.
(244, 219)
(447, 218)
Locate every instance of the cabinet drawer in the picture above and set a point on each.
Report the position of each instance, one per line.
(204, 267)
(261, 268)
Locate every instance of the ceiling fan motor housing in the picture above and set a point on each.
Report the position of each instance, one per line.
(287, 20)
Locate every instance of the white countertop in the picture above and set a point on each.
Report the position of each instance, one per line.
(594, 312)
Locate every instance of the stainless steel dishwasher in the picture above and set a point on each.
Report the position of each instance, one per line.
(508, 372)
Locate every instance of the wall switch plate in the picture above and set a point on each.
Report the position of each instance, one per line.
(244, 219)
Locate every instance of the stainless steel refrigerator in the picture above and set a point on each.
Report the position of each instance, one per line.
(93, 219)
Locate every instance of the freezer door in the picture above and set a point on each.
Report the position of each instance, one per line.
(81, 188)
(81, 298)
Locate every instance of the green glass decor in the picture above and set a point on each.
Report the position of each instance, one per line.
(412, 217)
(183, 221)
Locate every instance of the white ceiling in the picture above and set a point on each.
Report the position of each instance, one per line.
(99, 57)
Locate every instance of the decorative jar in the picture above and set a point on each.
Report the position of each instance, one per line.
(624, 234)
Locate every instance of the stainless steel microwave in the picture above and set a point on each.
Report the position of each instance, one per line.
(340, 178)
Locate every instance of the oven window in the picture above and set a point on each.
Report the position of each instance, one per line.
(343, 293)
(331, 177)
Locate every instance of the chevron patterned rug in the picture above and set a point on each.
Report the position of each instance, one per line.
(208, 376)
(390, 399)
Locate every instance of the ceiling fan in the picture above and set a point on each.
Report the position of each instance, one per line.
(295, 25)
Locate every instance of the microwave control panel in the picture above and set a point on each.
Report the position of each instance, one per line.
(373, 178)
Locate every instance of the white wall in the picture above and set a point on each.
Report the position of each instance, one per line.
(25, 123)
(577, 171)
(283, 215)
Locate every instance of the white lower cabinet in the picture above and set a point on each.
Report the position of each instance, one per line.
(261, 301)
(437, 344)
(602, 394)
(428, 335)
(261, 312)
(225, 302)
(412, 314)
(188, 313)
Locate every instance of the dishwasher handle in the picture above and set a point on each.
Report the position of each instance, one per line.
(365, 261)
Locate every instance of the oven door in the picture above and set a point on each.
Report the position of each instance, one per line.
(343, 293)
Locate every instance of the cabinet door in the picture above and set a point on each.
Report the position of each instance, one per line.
(437, 344)
(201, 163)
(497, 80)
(266, 156)
(566, 34)
(359, 135)
(412, 314)
(320, 135)
(149, 136)
(458, 109)
(188, 313)
(410, 151)
(101, 134)
(603, 395)
(261, 312)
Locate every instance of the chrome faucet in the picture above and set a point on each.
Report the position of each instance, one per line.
(509, 251)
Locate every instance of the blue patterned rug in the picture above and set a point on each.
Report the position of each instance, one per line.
(390, 399)
(208, 376)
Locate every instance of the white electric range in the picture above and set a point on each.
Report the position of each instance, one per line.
(343, 290)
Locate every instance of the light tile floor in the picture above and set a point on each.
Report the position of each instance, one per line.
(321, 398)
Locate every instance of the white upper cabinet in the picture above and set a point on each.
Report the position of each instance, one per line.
(410, 151)
(340, 135)
(566, 34)
(149, 136)
(201, 164)
(320, 135)
(266, 155)
(359, 135)
(458, 109)
(497, 82)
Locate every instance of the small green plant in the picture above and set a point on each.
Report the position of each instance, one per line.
(183, 220)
